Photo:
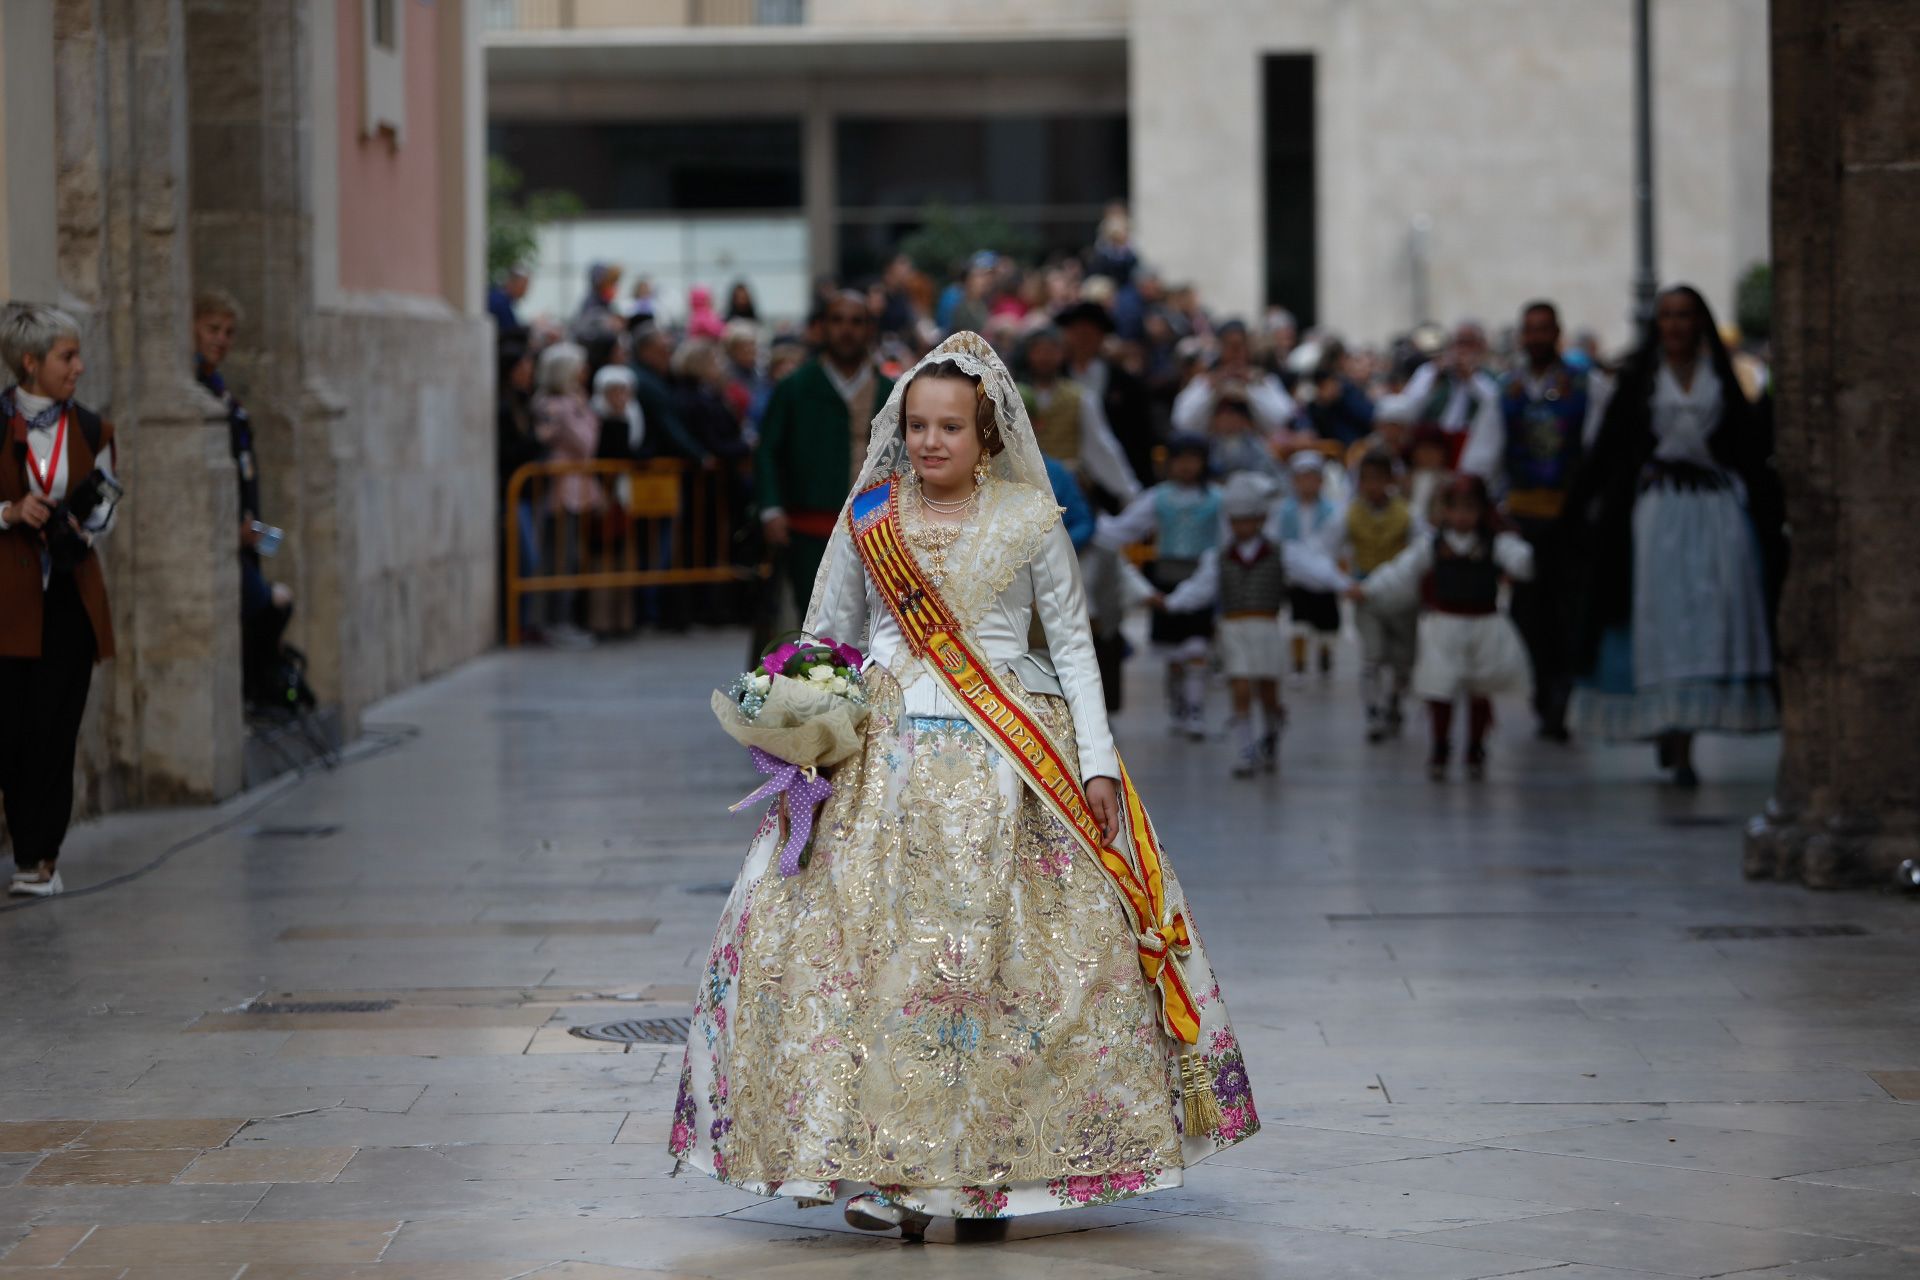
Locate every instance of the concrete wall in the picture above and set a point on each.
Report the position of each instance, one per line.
(411, 493)
(1506, 122)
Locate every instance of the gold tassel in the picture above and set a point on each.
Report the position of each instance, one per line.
(1196, 1089)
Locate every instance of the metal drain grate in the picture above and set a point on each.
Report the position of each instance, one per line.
(318, 831)
(638, 1031)
(1708, 932)
(321, 1006)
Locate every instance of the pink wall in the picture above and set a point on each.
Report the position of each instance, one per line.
(390, 198)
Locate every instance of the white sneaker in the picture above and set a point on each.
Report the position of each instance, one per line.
(30, 885)
(1194, 725)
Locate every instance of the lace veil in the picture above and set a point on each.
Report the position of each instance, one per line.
(1019, 461)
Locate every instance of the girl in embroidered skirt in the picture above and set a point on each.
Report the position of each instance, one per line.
(1467, 646)
(945, 1012)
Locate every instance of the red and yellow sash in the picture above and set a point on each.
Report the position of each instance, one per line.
(933, 633)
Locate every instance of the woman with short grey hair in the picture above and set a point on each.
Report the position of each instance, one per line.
(57, 494)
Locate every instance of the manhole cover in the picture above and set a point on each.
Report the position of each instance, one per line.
(1708, 932)
(318, 831)
(638, 1031)
(321, 1006)
(715, 888)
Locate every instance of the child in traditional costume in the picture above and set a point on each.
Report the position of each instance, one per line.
(980, 995)
(1379, 527)
(1248, 581)
(1310, 520)
(1181, 517)
(1467, 646)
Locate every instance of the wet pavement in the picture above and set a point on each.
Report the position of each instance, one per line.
(1537, 1025)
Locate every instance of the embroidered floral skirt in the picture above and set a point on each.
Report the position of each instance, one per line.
(944, 1006)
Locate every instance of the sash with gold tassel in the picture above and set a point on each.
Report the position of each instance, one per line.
(933, 633)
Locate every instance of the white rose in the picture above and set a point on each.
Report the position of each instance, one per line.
(839, 685)
(822, 674)
(760, 683)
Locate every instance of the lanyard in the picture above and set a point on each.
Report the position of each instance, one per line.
(45, 481)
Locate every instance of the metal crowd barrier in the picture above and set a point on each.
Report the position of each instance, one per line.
(660, 523)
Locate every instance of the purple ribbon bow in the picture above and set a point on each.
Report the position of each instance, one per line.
(797, 784)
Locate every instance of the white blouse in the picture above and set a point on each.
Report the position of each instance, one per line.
(1043, 578)
(40, 443)
(1684, 419)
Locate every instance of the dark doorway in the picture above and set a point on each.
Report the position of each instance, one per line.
(1287, 153)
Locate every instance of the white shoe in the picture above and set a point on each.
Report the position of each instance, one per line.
(871, 1213)
(1194, 725)
(29, 885)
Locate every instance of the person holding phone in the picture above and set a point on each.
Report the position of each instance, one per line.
(57, 498)
(265, 607)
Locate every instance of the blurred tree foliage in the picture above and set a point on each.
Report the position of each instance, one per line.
(948, 237)
(514, 217)
(1753, 303)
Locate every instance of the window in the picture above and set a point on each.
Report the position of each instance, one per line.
(1288, 155)
(659, 166)
(383, 84)
(380, 27)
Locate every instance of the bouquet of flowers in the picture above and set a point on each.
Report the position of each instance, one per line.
(800, 711)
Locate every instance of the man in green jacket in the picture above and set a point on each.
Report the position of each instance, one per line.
(813, 441)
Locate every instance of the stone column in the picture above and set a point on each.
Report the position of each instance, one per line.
(250, 135)
(166, 720)
(1846, 179)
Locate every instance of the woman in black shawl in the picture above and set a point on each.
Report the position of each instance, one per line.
(1677, 513)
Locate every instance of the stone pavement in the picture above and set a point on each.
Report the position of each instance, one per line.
(1486, 1035)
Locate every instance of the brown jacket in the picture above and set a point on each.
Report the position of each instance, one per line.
(21, 598)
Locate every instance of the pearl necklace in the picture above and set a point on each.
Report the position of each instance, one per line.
(949, 508)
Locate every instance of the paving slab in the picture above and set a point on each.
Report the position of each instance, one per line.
(1481, 1034)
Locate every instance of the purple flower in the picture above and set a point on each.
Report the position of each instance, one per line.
(1230, 1082)
(848, 655)
(776, 662)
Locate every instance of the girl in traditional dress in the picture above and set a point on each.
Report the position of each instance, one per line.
(980, 997)
(1673, 508)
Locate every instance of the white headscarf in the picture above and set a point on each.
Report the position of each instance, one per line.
(1019, 460)
(619, 374)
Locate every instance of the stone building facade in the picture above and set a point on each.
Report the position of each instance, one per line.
(1846, 179)
(321, 161)
(1367, 163)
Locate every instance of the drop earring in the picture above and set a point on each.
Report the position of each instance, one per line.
(980, 473)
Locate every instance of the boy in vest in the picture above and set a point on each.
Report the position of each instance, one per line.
(1247, 581)
(1309, 520)
(1467, 647)
(1379, 527)
(1181, 517)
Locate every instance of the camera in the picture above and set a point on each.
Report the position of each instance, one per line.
(66, 546)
